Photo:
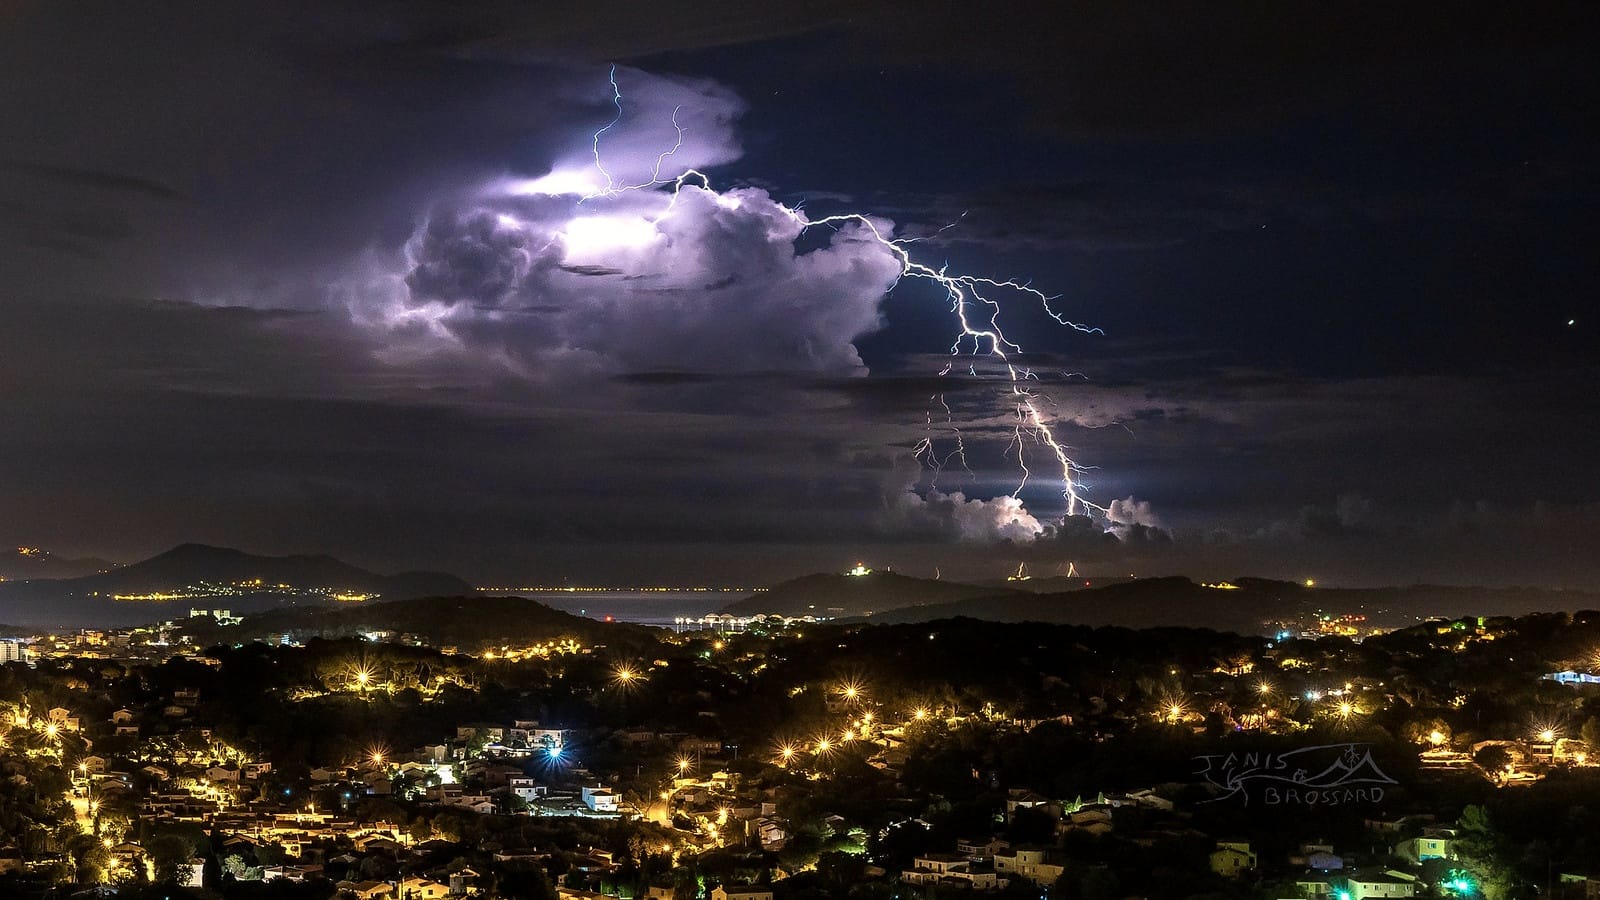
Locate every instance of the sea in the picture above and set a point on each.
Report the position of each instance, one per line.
(660, 607)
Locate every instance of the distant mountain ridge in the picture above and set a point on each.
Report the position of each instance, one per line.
(828, 595)
(1244, 606)
(471, 623)
(31, 563)
(192, 563)
(198, 575)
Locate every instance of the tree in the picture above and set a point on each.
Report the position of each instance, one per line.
(1591, 732)
(1493, 759)
(1483, 850)
(170, 854)
(1030, 825)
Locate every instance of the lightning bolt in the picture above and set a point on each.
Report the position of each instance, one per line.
(973, 300)
(926, 451)
(616, 99)
(969, 293)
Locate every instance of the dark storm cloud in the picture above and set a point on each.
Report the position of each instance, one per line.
(1105, 68)
(373, 345)
(1137, 68)
(112, 181)
(469, 256)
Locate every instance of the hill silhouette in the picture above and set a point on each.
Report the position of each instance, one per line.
(28, 564)
(827, 595)
(471, 623)
(1245, 609)
(197, 575)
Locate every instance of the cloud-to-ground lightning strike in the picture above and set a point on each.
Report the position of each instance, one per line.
(968, 295)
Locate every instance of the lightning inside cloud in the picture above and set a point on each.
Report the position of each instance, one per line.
(623, 258)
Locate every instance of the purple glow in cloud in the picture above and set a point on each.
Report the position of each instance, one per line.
(622, 258)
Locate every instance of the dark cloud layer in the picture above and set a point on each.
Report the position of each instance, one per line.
(316, 278)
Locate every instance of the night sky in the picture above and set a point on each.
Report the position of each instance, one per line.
(344, 277)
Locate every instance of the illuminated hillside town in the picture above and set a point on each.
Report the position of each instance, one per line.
(526, 752)
(799, 451)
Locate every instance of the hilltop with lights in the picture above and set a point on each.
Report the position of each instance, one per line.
(196, 575)
(861, 591)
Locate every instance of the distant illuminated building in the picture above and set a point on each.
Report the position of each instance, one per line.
(860, 570)
(12, 651)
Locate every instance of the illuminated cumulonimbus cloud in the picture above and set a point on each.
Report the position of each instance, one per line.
(622, 258)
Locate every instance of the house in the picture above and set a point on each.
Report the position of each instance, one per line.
(1326, 862)
(1232, 858)
(65, 719)
(740, 892)
(367, 890)
(1094, 821)
(192, 873)
(592, 862)
(1433, 843)
(770, 832)
(368, 843)
(600, 799)
(478, 803)
(527, 788)
(936, 868)
(1028, 863)
(123, 716)
(1380, 884)
(415, 888)
(498, 775)
(1314, 886)
(1576, 885)
(466, 882)
(290, 873)
(980, 851)
(1022, 798)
